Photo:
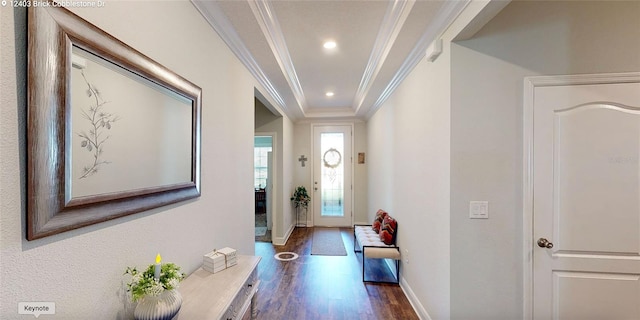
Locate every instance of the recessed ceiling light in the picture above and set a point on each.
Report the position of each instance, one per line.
(329, 94)
(329, 45)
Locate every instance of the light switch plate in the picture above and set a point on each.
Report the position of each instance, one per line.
(478, 209)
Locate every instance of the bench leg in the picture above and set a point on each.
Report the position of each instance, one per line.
(363, 265)
(397, 263)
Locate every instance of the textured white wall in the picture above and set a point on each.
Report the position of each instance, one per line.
(288, 162)
(380, 165)
(527, 38)
(81, 270)
(409, 177)
(361, 186)
(302, 176)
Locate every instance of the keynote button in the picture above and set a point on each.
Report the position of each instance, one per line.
(36, 308)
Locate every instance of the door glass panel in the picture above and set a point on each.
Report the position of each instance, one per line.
(332, 174)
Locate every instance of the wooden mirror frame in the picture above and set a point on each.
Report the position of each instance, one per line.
(52, 32)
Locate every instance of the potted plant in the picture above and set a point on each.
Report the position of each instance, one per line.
(301, 197)
(155, 290)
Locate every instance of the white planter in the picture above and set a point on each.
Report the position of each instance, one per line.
(161, 307)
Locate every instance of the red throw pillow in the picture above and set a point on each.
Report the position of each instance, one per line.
(388, 229)
(377, 222)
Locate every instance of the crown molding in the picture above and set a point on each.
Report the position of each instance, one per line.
(394, 19)
(330, 120)
(266, 17)
(219, 22)
(329, 113)
(446, 15)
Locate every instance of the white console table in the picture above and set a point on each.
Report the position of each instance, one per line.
(228, 294)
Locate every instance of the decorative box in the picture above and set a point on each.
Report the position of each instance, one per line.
(218, 260)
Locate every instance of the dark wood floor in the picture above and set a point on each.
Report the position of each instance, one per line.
(324, 287)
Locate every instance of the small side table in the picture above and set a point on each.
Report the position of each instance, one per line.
(299, 214)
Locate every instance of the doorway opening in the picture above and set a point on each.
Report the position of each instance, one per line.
(263, 186)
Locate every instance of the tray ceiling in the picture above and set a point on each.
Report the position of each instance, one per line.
(377, 45)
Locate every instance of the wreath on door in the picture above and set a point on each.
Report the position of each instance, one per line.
(332, 159)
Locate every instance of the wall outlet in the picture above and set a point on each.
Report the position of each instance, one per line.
(479, 210)
(406, 256)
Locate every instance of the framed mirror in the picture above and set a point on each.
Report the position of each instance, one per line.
(110, 132)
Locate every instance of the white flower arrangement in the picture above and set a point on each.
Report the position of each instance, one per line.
(144, 283)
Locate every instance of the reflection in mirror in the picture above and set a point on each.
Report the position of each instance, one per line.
(110, 132)
(127, 133)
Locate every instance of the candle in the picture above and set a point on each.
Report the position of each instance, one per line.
(156, 273)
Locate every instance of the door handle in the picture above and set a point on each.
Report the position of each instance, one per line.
(544, 243)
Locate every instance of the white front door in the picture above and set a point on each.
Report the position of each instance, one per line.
(586, 201)
(332, 163)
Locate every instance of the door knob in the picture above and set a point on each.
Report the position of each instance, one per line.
(544, 243)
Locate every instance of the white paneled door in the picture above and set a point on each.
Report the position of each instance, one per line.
(332, 163)
(586, 201)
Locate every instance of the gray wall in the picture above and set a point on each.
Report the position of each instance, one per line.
(527, 38)
(452, 133)
(408, 176)
(361, 208)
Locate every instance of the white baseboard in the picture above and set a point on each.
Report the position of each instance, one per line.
(281, 241)
(415, 303)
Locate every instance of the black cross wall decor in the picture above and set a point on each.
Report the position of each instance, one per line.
(302, 159)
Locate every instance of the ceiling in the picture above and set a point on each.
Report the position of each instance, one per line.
(377, 45)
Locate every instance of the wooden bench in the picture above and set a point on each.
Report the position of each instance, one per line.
(368, 242)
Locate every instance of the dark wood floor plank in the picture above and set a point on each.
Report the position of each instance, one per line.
(324, 287)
